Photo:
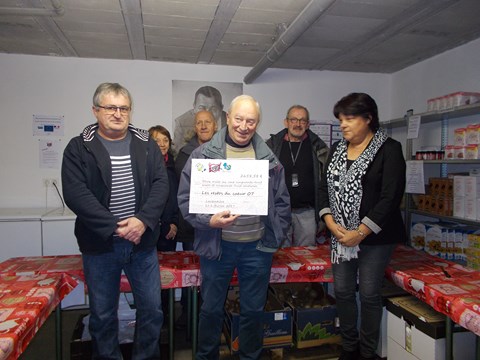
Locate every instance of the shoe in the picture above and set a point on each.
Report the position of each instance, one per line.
(348, 355)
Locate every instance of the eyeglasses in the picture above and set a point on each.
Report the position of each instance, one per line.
(110, 109)
(298, 121)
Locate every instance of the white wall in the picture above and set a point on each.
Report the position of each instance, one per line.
(64, 86)
(454, 70)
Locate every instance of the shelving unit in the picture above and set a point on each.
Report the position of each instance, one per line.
(435, 116)
(444, 117)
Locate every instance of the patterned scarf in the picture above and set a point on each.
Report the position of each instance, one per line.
(345, 190)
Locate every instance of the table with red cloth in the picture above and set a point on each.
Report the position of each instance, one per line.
(26, 301)
(449, 288)
(182, 269)
(295, 264)
(446, 286)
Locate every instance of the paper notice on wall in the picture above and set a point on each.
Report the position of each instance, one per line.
(323, 130)
(46, 125)
(414, 179)
(49, 151)
(413, 126)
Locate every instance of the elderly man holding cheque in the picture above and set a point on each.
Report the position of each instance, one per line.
(225, 241)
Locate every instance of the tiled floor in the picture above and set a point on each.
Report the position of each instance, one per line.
(42, 346)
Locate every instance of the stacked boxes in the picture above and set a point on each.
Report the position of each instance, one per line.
(443, 239)
(466, 200)
(389, 290)
(277, 322)
(416, 331)
(439, 199)
(314, 313)
(466, 143)
(472, 251)
(452, 100)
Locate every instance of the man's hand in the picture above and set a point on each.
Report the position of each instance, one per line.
(172, 232)
(222, 219)
(131, 229)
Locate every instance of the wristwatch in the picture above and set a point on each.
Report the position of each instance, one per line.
(361, 233)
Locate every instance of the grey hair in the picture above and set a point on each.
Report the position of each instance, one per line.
(246, 98)
(106, 88)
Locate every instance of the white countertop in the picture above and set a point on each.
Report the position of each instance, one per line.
(23, 214)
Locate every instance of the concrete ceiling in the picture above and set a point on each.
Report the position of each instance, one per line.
(381, 36)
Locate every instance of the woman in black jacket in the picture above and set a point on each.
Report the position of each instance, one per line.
(360, 204)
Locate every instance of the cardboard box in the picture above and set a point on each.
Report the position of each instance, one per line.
(416, 331)
(470, 208)
(389, 290)
(472, 187)
(434, 186)
(277, 322)
(459, 206)
(422, 201)
(81, 349)
(435, 239)
(418, 234)
(314, 313)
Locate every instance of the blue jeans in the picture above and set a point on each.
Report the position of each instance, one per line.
(370, 267)
(102, 275)
(253, 268)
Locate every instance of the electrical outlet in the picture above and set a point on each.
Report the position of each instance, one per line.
(46, 182)
(55, 182)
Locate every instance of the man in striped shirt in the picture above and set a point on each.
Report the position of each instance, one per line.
(114, 180)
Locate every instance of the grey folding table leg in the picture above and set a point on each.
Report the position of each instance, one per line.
(58, 332)
(171, 322)
(194, 290)
(477, 347)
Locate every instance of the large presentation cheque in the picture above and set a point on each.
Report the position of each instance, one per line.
(240, 186)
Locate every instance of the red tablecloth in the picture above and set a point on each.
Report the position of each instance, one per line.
(182, 268)
(295, 264)
(457, 296)
(446, 286)
(26, 301)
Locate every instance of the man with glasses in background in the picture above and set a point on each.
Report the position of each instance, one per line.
(206, 98)
(114, 180)
(303, 155)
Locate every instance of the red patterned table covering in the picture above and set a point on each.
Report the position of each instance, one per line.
(31, 265)
(182, 268)
(26, 301)
(295, 264)
(449, 288)
(31, 287)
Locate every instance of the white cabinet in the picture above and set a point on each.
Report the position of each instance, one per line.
(58, 236)
(20, 232)
(36, 232)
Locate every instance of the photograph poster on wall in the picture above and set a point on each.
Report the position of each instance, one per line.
(189, 97)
